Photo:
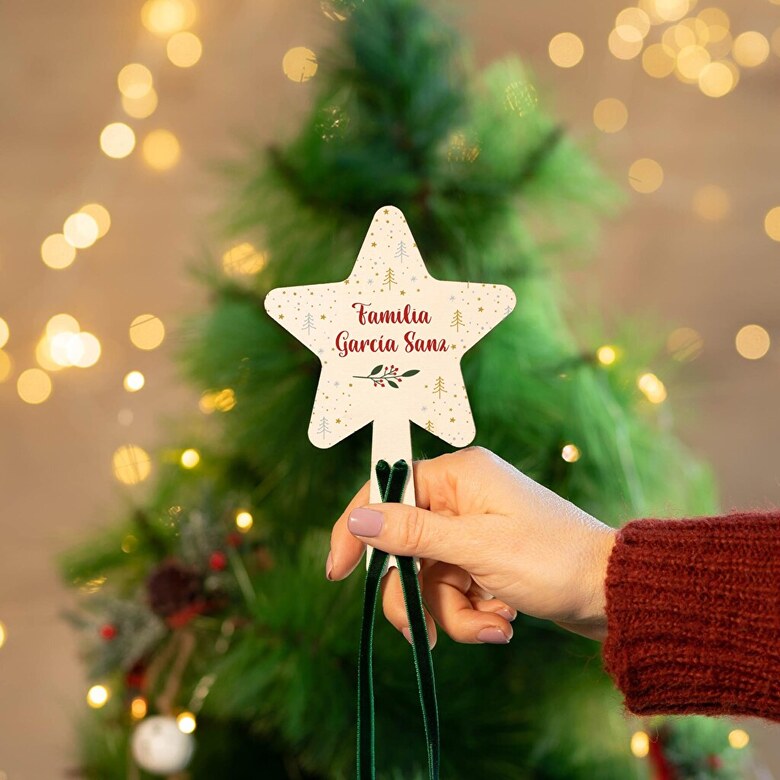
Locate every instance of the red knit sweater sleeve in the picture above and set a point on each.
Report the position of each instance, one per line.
(693, 615)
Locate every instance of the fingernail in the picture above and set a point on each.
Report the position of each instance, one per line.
(506, 613)
(329, 566)
(408, 634)
(365, 522)
(493, 636)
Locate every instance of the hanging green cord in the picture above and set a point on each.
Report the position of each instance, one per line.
(392, 481)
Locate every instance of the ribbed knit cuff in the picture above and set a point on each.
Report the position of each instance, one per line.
(693, 615)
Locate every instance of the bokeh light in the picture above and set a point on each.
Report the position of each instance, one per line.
(166, 17)
(140, 108)
(80, 230)
(711, 203)
(772, 223)
(691, 61)
(658, 61)
(147, 331)
(738, 739)
(101, 216)
(161, 150)
(652, 387)
(190, 458)
(243, 260)
(750, 49)
(117, 140)
(610, 115)
(84, 350)
(752, 342)
(570, 453)
(244, 520)
(6, 366)
(138, 708)
(299, 64)
(34, 386)
(645, 175)
(717, 79)
(566, 50)
(131, 464)
(184, 49)
(5, 332)
(606, 355)
(684, 344)
(133, 381)
(632, 24)
(623, 49)
(135, 81)
(56, 252)
(775, 41)
(3, 633)
(640, 744)
(186, 722)
(62, 323)
(97, 696)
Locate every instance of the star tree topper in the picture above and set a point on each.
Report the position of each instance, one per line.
(390, 338)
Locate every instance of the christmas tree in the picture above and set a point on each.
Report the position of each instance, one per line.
(210, 604)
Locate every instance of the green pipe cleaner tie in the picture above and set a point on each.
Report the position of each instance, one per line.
(391, 487)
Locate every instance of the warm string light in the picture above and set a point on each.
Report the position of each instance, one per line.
(244, 520)
(97, 696)
(606, 355)
(3, 633)
(652, 388)
(147, 332)
(219, 401)
(133, 381)
(566, 50)
(684, 344)
(571, 453)
(186, 722)
(752, 342)
(189, 458)
(738, 739)
(138, 708)
(640, 744)
(131, 464)
(645, 175)
(243, 260)
(610, 115)
(299, 64)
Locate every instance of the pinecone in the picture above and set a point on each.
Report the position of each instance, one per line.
(172, 587)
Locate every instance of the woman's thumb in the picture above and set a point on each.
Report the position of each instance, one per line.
(400, 529)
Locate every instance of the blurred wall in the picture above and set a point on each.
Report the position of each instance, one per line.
(58, 66)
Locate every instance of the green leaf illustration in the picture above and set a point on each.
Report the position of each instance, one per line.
(376, 370)
(411, 373)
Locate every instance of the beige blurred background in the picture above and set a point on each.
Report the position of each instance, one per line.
(58, 69)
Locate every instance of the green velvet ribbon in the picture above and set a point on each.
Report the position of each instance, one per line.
(391, 485)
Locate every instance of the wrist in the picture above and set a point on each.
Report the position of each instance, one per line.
(591, 619)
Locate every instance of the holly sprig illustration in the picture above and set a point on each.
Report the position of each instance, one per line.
(389, 375)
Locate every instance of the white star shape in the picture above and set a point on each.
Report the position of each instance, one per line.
(373, 337)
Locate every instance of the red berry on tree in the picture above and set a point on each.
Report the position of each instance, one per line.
(108, 632)
(218, 561)
(235, 539)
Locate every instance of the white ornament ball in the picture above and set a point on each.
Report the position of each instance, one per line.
(160, 747)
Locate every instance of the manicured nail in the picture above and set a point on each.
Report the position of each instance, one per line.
(329, 566)
(493, 636)
(408, 634)
(365, 522)
(506, 613)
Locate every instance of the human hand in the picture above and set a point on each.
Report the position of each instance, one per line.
(491, 542)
